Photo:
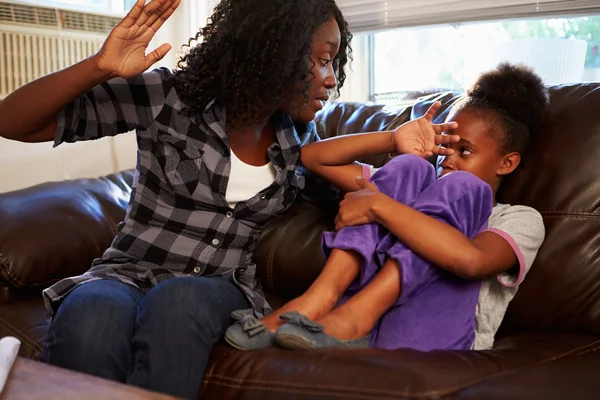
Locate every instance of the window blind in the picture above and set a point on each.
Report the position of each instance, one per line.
(369, 15)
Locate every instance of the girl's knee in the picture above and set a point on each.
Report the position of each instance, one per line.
(410, 163)
(404, 177)
(465, 181)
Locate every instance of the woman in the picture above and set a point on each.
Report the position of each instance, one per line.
(240, 105)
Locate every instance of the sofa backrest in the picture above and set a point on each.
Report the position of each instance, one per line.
(561, 179)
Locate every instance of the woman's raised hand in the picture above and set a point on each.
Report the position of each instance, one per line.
(123, 54)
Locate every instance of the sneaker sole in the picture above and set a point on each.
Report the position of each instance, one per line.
(235, 346)
(294, 342)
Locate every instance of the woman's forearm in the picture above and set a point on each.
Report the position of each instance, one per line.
(33, 107)
(343, 150)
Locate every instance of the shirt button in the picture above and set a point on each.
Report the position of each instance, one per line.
(196, 270)
(263, 196)
(229, 214)
(215, 242)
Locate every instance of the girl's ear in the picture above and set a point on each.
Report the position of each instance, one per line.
(509, 163)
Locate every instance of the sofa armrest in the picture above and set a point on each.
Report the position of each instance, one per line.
(54, 230)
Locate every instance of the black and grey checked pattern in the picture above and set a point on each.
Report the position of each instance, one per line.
(178, 221)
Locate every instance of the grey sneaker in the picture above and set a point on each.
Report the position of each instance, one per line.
(248, 333)
(300, 333)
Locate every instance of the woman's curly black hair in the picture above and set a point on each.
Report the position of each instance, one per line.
(254, 54)
(514, 98)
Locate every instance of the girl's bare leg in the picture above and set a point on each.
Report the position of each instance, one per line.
(341, 269)
(358, 316)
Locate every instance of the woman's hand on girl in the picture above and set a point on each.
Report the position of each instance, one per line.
(423, 138)
(123, 54)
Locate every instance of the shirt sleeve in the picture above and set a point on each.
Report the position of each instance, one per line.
(368, 170)
(523, 228)
(316, 189)
(116, 106)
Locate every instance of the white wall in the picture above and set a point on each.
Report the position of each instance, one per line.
(26, 164)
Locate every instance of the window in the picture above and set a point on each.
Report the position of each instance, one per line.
(111, 7)
(410, 62)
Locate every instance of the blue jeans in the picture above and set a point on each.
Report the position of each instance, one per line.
(160, 341)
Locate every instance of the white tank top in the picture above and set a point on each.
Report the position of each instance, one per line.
(245, 180)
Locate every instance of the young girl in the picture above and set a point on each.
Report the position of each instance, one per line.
(416, 273)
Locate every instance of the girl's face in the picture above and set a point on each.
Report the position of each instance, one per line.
(325, 46)
(478, 151)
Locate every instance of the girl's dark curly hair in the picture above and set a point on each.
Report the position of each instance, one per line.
(514, 98)
(254, 54)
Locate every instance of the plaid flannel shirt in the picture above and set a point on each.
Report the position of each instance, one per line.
(178, 221)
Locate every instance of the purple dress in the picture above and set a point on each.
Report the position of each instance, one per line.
(436, 309)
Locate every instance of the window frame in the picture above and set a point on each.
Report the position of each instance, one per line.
(371, 47)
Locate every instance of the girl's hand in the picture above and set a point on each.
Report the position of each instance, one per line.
(123, 54)
(357, 207)
(422, 138)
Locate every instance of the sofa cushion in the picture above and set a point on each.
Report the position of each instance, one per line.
(54, 230)
(379, 374)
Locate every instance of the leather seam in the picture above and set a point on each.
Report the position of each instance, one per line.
(18, 334)
(442, 392)
(586, 348)
(299, 391)
(6, 266)
(584, 215)
(37, 285)
(588, 351)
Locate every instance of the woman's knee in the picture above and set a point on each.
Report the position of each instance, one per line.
(189, 296)
(93, 328)
(93, 313)
(179, 292)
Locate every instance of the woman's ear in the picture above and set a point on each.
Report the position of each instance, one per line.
(509, 163)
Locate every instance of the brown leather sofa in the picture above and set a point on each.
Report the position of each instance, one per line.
(547, 345)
